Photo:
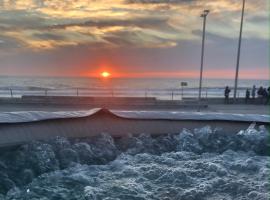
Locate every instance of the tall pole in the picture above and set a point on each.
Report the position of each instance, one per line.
(203, 15)
(239, 52)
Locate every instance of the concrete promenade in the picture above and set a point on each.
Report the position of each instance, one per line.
(7, 105)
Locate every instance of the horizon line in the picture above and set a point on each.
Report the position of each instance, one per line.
(124, 77)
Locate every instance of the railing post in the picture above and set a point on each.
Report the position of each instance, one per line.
(145, 94)
(172, 95)
(46, 92)
(11, 93)
(182, 93)
(77, 92)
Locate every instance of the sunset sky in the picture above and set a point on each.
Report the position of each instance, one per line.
(132, 38)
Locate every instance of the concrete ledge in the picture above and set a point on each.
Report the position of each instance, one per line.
(105, 122)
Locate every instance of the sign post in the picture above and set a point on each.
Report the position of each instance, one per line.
(183, 84)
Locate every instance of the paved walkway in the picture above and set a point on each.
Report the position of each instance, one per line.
(241, 109)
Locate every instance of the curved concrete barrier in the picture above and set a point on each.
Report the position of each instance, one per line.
(21, 127)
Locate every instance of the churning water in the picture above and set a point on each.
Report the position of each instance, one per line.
(199, 164)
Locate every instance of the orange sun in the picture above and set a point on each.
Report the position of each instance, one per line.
(105, 74)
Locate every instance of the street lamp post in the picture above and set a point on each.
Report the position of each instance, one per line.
(239, 52)
(203, 15)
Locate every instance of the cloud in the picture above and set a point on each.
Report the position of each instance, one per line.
(259, 19)
(212, 37)
(8, 44)
(49, 36)
(148, 23)
(21, 19)
(143, 22)
(139, 34)
(160, 1)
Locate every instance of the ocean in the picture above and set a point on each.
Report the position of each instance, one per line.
(162, 88)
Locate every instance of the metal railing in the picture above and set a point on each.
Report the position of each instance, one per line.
(166, 94)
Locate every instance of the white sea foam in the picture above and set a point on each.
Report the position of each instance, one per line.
(201, 164)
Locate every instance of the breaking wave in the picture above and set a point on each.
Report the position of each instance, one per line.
(200, 164)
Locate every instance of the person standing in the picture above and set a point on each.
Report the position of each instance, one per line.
(268, 96)
(264, 96)
(260, 92)
(247, 96)
(253, 92)
(227, 94)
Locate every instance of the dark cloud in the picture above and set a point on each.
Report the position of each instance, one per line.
(49, 36)
(258, 19)
(143, 22)
(134, 39)
(21, 19)
(119, 40)
(211, 36)
(160, 1)
(8, 43)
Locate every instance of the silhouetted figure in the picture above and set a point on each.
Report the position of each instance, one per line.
(264, 96)
(268, 96)
(260, 92)
(253, 92)
(227, 94)
(264, 93)
(247, 96)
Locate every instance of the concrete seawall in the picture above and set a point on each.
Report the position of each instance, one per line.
(104, 121)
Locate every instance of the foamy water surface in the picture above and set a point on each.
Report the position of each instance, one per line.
(200, 164)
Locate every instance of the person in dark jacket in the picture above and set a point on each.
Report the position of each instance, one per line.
(247, 96)
(264, 93)
(264, 96)
(268, 96)
(227, 94)
(253, 92)
(260, 92)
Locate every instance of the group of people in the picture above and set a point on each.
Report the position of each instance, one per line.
(262, 93)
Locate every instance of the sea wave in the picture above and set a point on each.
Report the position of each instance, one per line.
(204, 163)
